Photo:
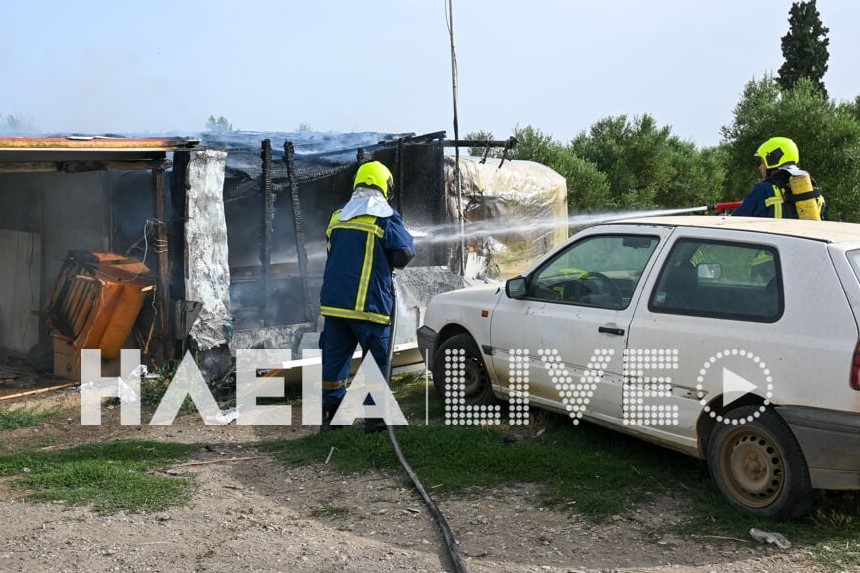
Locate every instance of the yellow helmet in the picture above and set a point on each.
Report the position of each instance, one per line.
(374, 174)
(778, 151)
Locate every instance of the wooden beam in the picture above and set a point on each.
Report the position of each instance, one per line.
(163, 279)
(298, 229)
(31, 167)
(82, 166)
(39, 391)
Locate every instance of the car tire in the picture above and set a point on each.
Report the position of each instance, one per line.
(759, 466)
(479, 388)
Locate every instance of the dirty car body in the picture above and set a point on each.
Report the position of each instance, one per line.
(731, 339)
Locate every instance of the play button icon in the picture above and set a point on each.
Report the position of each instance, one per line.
(735, 386)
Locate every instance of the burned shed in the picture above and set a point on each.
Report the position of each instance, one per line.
(279, 194)
(65, 195)
(225, 233)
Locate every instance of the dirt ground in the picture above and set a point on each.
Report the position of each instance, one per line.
(257, 515)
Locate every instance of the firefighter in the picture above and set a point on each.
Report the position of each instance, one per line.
(786, 191)
(366, 242)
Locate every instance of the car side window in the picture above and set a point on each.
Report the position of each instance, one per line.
(718, 279)
(600, 271)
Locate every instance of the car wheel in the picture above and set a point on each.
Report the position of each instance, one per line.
(759, 465)
(478, 389)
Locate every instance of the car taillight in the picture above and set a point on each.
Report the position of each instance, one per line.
(855, 368)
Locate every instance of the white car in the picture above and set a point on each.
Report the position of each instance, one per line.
(731, 339)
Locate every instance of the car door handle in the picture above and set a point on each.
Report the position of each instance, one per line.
(611, 330)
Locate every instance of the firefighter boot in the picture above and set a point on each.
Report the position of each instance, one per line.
(328, 412)
(374, 425)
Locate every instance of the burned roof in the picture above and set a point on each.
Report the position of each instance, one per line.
(314, 151)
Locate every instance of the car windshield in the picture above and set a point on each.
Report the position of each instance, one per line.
(601, 271)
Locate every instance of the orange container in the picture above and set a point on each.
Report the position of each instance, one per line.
(94, 304)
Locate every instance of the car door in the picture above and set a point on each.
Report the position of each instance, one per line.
(713, 303)
(566, 336)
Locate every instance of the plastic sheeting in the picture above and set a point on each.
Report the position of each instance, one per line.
(514, 213)
(208, 276)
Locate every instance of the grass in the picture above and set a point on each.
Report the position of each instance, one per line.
(592, 470)
(111, 477)
(24, 417)
(566, 462)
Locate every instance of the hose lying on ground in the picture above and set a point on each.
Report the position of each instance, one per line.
(447, 534)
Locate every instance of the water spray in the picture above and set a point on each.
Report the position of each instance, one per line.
(436, 234)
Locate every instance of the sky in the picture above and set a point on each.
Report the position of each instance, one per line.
(110, 66)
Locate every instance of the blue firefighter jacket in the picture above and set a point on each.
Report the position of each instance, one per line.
(362, 252)
(768, 199)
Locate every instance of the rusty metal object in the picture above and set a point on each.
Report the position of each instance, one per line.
(94, 304)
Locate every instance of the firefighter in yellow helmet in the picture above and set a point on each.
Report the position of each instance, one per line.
(366, 242)
(786, 191)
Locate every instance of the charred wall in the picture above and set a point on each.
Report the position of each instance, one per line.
(263, 299)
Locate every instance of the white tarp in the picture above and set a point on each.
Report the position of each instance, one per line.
(514, 213)
(208, 270)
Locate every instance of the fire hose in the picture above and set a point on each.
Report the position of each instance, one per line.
(719, 208)
(444, 528)
(723, 207)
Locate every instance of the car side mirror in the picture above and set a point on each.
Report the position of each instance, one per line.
(516, 287)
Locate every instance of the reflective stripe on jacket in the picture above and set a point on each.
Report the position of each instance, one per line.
(767, 199)
(357, 278)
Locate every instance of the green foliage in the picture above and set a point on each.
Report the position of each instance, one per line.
(479, 151)
(804, 47)
(827, 135)
(218, 124)
(112, 477)
(646, 166)
(623, 164)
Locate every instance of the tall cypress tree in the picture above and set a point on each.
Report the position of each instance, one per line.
(804, 47)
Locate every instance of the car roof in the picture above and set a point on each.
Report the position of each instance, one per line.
(827, 231)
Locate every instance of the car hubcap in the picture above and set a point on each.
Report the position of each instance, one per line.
(753, 468)
(473, 376)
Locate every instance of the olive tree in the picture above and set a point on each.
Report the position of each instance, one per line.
(649, 167)
(827, 135)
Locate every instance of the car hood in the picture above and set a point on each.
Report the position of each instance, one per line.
(488, 293)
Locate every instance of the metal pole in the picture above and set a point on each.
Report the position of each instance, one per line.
(458, 180)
